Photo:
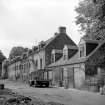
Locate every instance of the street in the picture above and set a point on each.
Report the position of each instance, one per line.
(61, 95)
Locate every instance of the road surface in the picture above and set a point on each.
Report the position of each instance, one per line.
(61, 95)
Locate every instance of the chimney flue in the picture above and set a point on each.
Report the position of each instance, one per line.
(62, 29)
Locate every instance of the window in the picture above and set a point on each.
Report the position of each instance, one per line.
(29, 64)
(36, 63)
(52, 58)
(20, 67)
(40, 63)
(24, 66)
(15, 67)
(50, 75)
(65, 54)
(82, 51)
(45, 75)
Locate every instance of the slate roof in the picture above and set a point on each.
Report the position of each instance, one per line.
(90, 40)
(47, 42)
(75, 59)
(70, 42)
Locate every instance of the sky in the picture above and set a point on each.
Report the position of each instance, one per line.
(27, 22)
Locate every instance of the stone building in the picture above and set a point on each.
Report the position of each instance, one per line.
(18, 68)
(42, 53)
(13, 68)
(82, 68)
(4, 73)
(33, 64)
(85, 69)
(60, 60)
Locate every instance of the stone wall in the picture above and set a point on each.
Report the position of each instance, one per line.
(79, 75)
(57, 76)
(11, 71)
(38, 56)
(63, 76)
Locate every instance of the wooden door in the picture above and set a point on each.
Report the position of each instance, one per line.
(70, 77)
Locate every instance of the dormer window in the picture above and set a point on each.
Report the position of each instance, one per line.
(65, 52)
(65, 55)
(56, 55)
(82, 51)
(53, 56)
(41, 45)
(86, 46)
(35, 48)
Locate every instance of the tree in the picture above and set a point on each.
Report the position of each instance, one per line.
(91, 18)
(2, 57)
(17, 51)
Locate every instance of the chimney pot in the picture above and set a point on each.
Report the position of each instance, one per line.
(62, 29)
(56, 33)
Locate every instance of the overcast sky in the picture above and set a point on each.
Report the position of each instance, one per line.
(27, 22)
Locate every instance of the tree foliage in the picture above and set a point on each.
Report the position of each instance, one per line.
(91, 18)
(17, 51)
(2, 57)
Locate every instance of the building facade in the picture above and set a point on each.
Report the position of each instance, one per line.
(85, 69)
(60, 60)
(33, 64)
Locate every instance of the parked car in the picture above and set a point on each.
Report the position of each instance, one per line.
(39, 83)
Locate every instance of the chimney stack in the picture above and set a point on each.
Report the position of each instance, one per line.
(62, 30)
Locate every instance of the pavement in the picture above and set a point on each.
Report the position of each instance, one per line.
(60, 95)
